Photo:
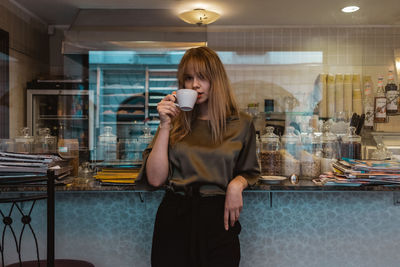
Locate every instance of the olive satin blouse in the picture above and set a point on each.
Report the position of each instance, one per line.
(196, 159)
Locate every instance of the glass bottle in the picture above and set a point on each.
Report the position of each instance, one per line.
(391, 94)
(380, 103)
(291, 146)
(269, 155)
(351, 145)
(368, 103)
(107, 146)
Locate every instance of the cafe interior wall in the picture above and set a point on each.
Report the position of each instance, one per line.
(29, 46)
(299, 229)
(367, 50)
(360, 49)
(364, 50)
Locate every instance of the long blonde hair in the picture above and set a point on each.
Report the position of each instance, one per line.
(221, 100)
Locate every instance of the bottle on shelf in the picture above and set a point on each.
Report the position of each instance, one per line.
(368, 103)
(380, 103)
(391, 94)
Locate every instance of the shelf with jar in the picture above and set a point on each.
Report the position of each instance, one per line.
(126, 104)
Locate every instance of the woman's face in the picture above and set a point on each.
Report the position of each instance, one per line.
(197, 82)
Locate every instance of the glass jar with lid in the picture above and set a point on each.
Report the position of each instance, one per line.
(291, 142)
(306, 137)
(351, 144)
(311, 159)
(269, 154)
(107, 146)
(45, 143)
(290, 152)
(25, 142)
(7, 145)
(330, 148)
(381, 153)
(126, 149)
(144, 140)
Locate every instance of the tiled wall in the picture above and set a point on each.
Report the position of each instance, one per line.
(29, 48)
(302, 229)
(363, 50)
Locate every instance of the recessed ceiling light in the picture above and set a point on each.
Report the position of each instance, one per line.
(349, 9)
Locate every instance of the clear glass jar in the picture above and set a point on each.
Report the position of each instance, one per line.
(291, 146)
(143, 141)
(311, 159)
(381, 153)
(269, 154)
(7, 145)
(330, 148)
(291, 142)
(107, 146)
(306, 139)
(45, 143)
(127, 149)
(351, 145)
(25, 142)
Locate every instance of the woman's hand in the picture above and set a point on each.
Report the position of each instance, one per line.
(234, 201)
(167, 109)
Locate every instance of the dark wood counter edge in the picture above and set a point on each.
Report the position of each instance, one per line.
(302, 186)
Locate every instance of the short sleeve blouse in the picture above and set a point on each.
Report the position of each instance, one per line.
(196, 159)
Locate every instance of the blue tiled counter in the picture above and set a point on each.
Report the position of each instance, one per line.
(285, 225)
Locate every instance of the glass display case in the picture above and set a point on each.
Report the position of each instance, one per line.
(66, 113)
(128, 85)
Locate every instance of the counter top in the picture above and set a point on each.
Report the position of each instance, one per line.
(303, 185)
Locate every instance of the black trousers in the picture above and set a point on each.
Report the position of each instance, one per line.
(189, 232)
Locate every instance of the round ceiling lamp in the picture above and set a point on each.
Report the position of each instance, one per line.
(350, 9)
(199, 16)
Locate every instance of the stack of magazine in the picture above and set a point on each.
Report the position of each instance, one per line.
(20, 163)
(117, 176)
(357, 172)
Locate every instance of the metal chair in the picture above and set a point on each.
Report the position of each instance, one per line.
(16, 211)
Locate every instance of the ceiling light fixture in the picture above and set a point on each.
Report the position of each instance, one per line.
(350, 9)
(199, 16)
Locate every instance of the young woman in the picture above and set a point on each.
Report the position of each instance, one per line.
(205, 158)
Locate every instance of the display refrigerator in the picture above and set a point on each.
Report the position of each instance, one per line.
(67, 114)
(127, 87)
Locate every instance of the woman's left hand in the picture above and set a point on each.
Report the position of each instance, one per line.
(234, 201)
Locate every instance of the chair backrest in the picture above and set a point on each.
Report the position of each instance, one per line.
(20, 207)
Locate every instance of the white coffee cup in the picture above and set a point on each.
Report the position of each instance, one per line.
(186, 99)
